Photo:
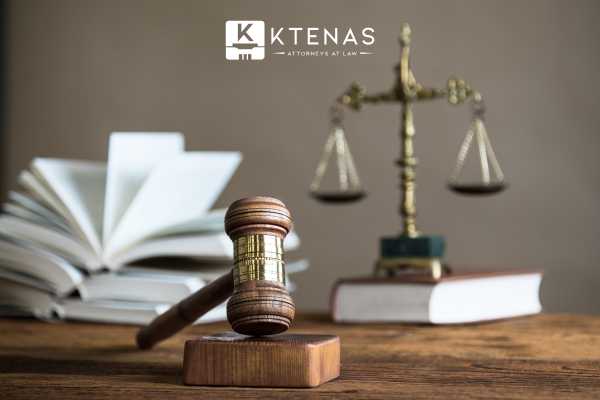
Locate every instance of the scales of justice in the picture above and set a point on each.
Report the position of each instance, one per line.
(410, 251)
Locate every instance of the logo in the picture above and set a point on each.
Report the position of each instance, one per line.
(245, 40)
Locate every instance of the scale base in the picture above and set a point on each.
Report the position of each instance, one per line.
(422, 246)
(288, 360)
(405, 254)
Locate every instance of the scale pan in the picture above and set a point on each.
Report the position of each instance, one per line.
(339, 197)
(477, 189)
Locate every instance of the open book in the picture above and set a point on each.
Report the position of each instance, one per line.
(105, 215)
(72, 230)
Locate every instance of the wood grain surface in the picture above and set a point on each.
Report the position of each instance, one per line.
(288, 361)
(540, 357)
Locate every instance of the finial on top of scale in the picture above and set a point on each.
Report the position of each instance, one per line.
(405, 34)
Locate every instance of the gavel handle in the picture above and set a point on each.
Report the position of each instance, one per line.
(186, 312)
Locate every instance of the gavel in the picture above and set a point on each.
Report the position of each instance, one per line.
(260, 304)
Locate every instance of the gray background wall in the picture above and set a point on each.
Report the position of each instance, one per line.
(78, 70)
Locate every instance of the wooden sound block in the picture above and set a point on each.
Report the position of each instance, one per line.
(288, 360)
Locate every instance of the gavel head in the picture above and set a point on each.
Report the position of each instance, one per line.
(260, 304)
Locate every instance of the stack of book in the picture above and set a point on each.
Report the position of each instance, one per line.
(119, 241)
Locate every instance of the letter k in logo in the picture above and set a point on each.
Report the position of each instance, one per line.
(244, 32)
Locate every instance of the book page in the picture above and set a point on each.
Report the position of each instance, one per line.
(214, 247)
(35, 207)
(178, 190)
(30, 259)
(127, 312)
(79, 185)
(37, 190)
(17, 210)
(112, 311)
(23, 279)
(212, 221)
(60, 242)
(167, 289)
(46, 198)
(131, 157)
(30, 300)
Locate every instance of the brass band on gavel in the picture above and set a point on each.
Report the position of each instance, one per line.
(258, 257)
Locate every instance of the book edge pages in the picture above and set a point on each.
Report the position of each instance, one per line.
(528, 304)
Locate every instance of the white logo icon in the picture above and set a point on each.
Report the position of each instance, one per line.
(245, 40)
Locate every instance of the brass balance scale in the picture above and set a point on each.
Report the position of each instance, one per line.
(410, 251)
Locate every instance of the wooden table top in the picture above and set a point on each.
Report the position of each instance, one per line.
(541, 357)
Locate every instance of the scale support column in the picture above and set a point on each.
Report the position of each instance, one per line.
(408, 163)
